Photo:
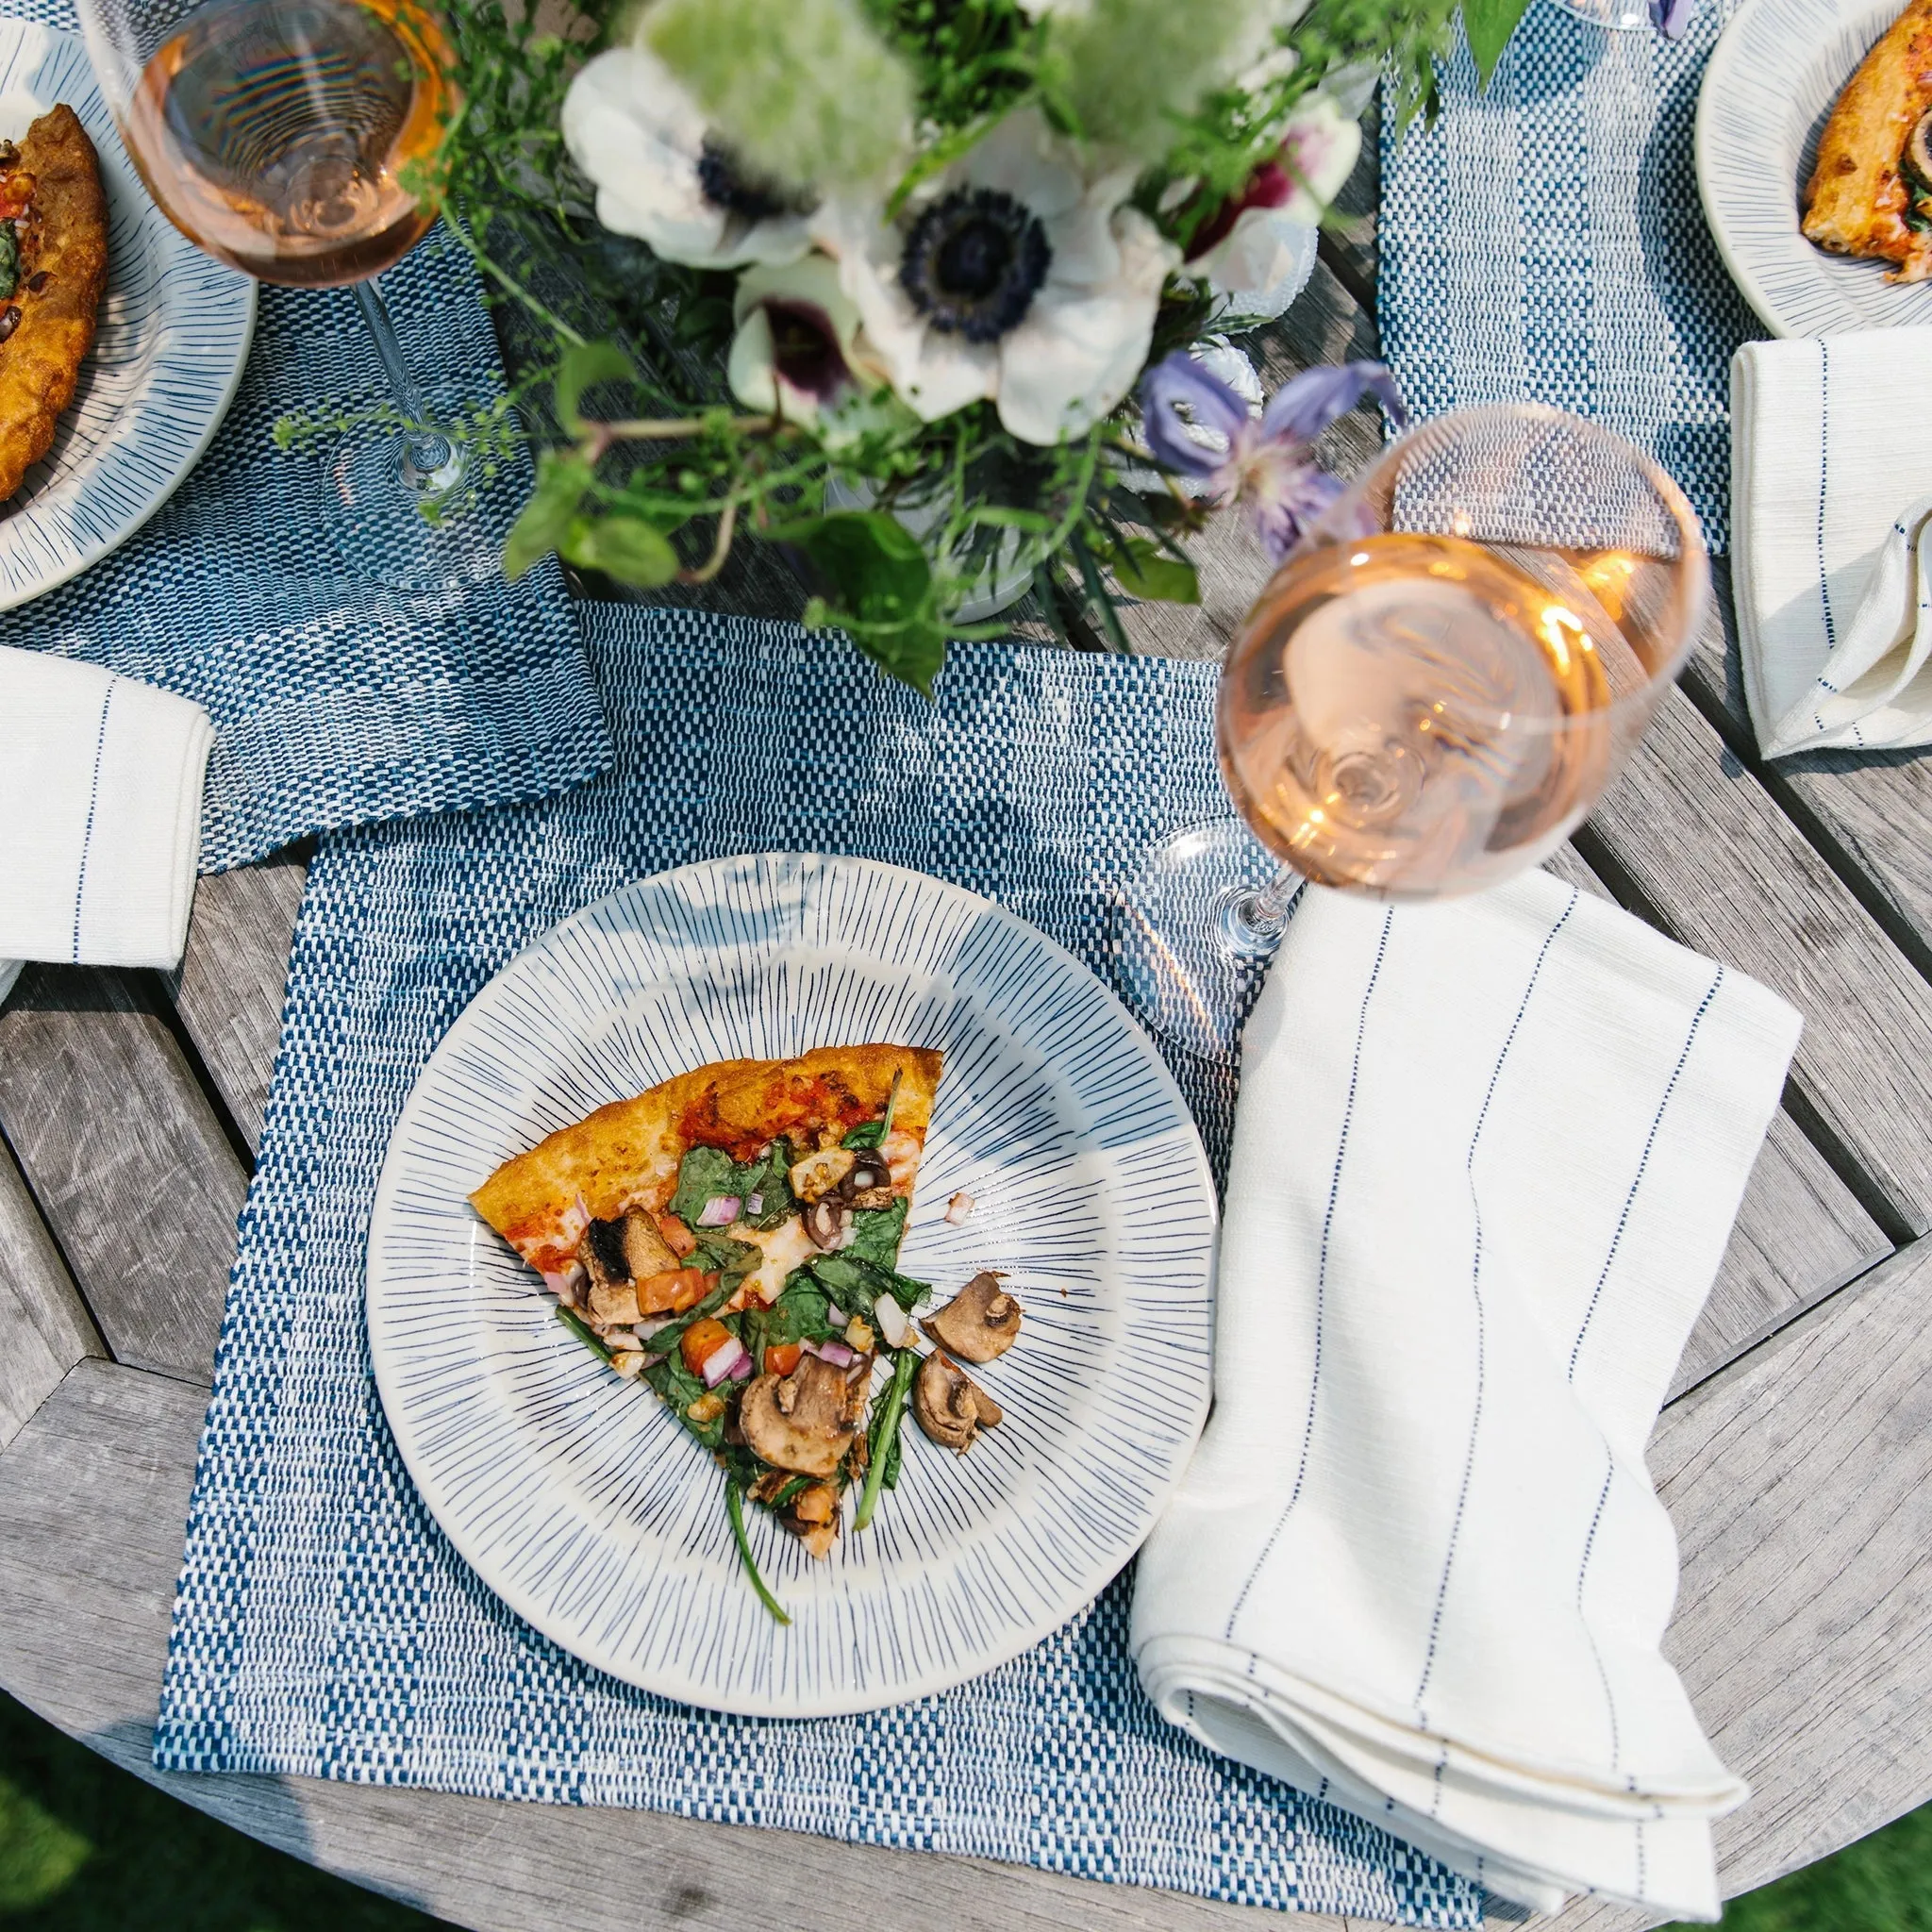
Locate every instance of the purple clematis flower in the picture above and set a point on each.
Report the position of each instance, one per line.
(1268, 464)
(1671, 18)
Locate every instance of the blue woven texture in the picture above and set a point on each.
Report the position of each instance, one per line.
(1545, 239)
(325, 1627)
(335, 702)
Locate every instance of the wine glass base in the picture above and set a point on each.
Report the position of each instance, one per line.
(1620, 16)
(394, 524)
(1190, 968)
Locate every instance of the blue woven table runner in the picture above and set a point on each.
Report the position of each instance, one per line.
(335, 701)
(1545, 239)
(325, 1627)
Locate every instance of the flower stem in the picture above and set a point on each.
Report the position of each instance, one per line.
(720, 550)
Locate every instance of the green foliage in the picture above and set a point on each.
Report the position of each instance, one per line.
(1143, 568)
(1130, 70)
(804, 89)
(876, 1233)
(1488, 24)
(88, 1847)
(546, 518)
(627, 548)
(877, 587)
(857, 1283)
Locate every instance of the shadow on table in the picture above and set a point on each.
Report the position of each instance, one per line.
(87, 1846)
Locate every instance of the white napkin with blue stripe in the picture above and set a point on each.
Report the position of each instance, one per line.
(1486, 1160)
(1831, 521)
(100, 814)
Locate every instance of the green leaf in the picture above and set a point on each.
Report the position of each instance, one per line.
(884, 1436)
(770, 1179)
(627, 548)
(1143, 568)
(546, 518)
(878, 588)
(583, 364)
(876, 1233)
(703, 1174)
(857, 1282)
(1488, 24)
(798, 1314)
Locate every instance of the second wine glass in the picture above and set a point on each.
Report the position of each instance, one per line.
(298, 140)
(1428, 697)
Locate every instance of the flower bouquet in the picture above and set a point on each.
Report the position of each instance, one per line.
(909, 286)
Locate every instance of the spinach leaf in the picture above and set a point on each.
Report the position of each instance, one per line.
(718, 1253)
(680, 1389)
(876, 1233)
(703, 1174)
(797, 1315)
(866, 1134)
(9, 262)
(858, 1283)
(770, 1179)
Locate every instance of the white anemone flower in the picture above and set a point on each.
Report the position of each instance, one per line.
(1011, 277)
(1264, 239)
(663, 177)
(797, 353)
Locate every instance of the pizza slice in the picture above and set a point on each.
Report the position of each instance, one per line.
(1870, 192)
(731, 1238)
(53, 268)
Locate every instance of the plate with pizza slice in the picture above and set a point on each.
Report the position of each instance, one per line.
(121, 343)
(790, 1285)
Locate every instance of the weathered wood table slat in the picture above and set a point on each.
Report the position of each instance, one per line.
(1795, 1457)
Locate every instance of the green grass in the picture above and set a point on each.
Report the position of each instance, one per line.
(85, 1847)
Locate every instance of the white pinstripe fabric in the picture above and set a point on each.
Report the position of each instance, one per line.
(100, 813)
(1486, 1159)
(1831, 494)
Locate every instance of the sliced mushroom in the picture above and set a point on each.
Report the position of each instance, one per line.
(1918, 150)
(618, 1254)
(819, 1174)
(979, 1323)
(804, 1422)
(814, 1518)
(952, 1408)
(828, 1222)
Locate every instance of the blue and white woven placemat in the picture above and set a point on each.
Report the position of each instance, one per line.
(1545, 239)
(335, 702)
(324, 1626)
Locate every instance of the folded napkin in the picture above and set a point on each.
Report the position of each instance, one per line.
(1486, 1159)
(1831, 511)
(100, 814)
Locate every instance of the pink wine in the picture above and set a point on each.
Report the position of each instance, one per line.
(279, 135)
(1418, 715)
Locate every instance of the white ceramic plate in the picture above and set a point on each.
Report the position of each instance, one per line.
(579, 1498)
(168, 351)
(1768, 91)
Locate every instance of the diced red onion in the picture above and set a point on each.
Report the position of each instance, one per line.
(723, 1361)
(742, 1371)
(835, 1316)
(721, 1210)
(834, 1351)
(651, 1361)
(754, 1204)
(958, 1207)
(892, 1324)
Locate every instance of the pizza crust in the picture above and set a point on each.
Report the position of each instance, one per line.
(1855, 201)
(626, 1155)
(39, 363)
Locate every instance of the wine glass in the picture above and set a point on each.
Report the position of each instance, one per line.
(297, 141)
(1428, 697)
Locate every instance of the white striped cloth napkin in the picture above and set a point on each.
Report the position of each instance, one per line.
(1486, 1160)
(1831, 520)
(100, 814)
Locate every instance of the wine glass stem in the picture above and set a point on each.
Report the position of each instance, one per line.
(1252, 923)
(426, 462)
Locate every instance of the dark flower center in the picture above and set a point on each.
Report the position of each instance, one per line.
(728, 183)
(805, 349)
(973, 262)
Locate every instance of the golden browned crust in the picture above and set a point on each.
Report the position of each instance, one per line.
(626, 1155)
(40, 362)
(1855, 201)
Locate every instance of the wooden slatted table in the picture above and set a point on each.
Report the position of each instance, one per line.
(1794, 1456)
